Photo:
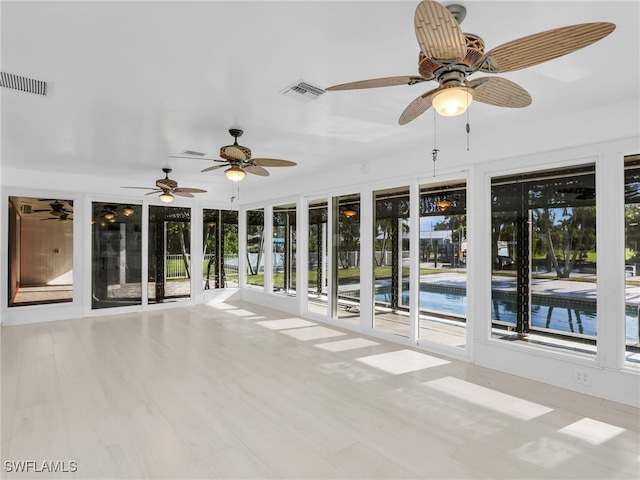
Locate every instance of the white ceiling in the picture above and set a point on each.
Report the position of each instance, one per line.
(136, 82)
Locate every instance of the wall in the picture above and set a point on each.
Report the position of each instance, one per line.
(46, 252)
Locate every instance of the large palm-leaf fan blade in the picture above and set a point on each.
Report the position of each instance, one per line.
(541, 47)
(188, 190)
(273, 162)
(214, 167)
(256, 170)
(417, 107)
(154, 192)
(194, 157)
(378, 82)
(499, 92)
(438, 33)
(182, 193)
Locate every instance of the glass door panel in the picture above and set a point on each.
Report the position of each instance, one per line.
(220, 249)
(632, 260)
(318, 255)
(391, 260)
(544, 279)
(255, 248)
(284, 249)
(443, 264)
(116, 252)
(169, 254)
(346, 262)
(40, 241)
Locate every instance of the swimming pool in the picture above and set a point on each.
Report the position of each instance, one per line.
(547, 313)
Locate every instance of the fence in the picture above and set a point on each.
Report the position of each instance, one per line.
(174, 265)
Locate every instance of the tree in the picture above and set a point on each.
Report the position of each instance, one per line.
(568, 234)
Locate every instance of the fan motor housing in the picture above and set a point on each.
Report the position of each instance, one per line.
(166, 183)
(475, 52)
(235, 152)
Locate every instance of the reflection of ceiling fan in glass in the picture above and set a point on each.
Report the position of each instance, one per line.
(449, 56)
(57, 208)
(238, 159)
(167, 188)
(64, 217)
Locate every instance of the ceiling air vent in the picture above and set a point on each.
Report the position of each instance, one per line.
(302, 90)
(24, 84)
(191, 153)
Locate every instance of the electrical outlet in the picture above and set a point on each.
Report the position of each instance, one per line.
(581, 376)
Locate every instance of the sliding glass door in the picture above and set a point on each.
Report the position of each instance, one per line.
(169, 270)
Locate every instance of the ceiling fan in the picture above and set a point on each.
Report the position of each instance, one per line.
(238, 159)
(167, 188)
(63, 217)
(449, 56)
(57, 208)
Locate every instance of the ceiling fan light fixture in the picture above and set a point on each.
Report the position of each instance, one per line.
(235, 173)
(443, 205)
(166, 197)
(452, 101)
(128, 211)
(109, 215)
(350, 213)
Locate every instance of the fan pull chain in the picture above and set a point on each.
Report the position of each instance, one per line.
(232, 196)
(468, 128)
(434, 152)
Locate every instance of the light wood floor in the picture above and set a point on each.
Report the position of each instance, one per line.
(241, 391)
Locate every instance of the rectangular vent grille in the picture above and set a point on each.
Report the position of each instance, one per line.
(191, 153)
(302, 90)
(24, 84)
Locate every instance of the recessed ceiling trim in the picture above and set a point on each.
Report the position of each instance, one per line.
(23, 84)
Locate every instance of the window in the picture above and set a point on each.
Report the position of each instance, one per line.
(318, 254)
(255, 248)
(169, 253)
(284, 249)
(544, 259)
(40, 245)
(346, 259)
(220, 249)
(632, 258)
(443, 264)
(116, 252)
(391, 260)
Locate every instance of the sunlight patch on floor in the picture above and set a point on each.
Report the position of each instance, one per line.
(312, 333)
(241, 313)
(350, 344)
(488, 398)
(402, 361)
(286, 323)
(592, 431)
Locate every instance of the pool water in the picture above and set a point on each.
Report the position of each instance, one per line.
(563, 315)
